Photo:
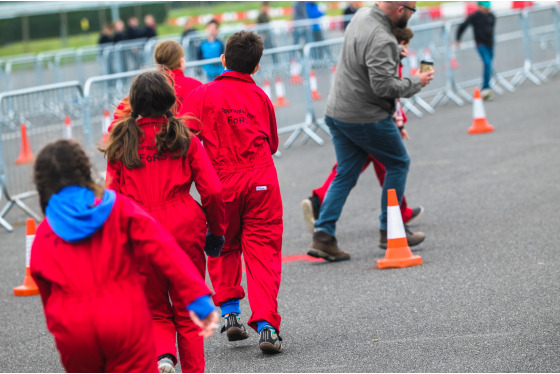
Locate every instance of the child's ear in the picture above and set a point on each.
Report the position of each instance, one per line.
(223, 57)
(256, 69)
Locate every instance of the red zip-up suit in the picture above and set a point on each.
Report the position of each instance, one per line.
(182, 86)
(240, 135)
(93, 297)
(162, 187)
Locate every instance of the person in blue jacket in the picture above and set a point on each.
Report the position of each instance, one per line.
(210, 48)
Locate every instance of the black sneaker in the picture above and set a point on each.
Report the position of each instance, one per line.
(416, 213)
(270, 341)
(235, 330)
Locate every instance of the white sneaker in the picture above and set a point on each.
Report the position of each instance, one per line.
(487, 94)
(308, 216)
(165, 365)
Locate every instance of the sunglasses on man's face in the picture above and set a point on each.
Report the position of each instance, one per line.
(409, 8)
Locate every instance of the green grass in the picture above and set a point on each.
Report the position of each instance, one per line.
(36, 46)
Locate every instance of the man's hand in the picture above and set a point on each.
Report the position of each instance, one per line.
(425, 77)
(208, 324)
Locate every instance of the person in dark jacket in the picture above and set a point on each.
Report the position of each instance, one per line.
(106, 35)
(352, 8)
(149, 26)
(483, 22)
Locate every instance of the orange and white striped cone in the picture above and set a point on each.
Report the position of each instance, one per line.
(67, 128)
(280, 93)
(268, 91)
(480, 124)
(105, 126)
(295, 72)
(398, 253)
(313, 83)
(29, 287)
(454, 63)
(413, 61)
(427, 54)
(25, 154)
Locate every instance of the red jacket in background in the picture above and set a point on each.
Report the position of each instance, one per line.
(92, 295)
(183, 86)
(163, 178)
(239, 134)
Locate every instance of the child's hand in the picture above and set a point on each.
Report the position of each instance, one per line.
(404, 134)
(208, 324)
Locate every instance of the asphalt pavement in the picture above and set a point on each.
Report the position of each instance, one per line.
(485, 299)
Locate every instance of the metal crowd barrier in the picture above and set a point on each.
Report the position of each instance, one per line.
(42, 110)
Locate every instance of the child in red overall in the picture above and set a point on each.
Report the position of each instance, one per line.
(170, 55)
(312, 205)
(238, 128)
(84, 261)
(154, 160)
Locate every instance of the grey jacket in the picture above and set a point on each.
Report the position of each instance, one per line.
(367, 81)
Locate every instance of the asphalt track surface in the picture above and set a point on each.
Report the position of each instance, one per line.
(485, 299)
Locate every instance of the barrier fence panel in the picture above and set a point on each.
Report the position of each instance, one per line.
(542, 39)
(321, 59)
(282, 78)
(19, 72)
(103, 94)
(29, 119)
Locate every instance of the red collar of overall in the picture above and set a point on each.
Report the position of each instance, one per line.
(146, 120)
(235, 74)
(178, 72)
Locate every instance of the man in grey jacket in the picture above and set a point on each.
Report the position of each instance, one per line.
(359, 114)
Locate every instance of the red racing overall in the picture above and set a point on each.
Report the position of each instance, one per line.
(162, 187)
(93, 299)
(240, 135)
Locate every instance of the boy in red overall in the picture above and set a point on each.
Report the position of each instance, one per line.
(157, 169)
(238, 129)
(84, 260)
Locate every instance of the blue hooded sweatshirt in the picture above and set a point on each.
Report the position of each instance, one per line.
(73, 214)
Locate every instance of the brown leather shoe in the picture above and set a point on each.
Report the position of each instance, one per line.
(324, 246)
(413, 238)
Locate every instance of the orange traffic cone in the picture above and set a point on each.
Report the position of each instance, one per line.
(295, 71)
(268, 91)
(313, 83)
(480, 124)
(25, 154)
(333, 74)
(67, 128)
(413, 60)
(28, 288)
(105, 125)
(398, 253)
(280, 93)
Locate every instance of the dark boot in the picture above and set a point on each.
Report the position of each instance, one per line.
(324, 246)
(413, 238)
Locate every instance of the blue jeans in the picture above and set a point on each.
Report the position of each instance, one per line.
(352, 144)
(486, 54)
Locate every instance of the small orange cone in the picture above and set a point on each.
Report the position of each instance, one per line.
(398, 253)
(480, 124)
(28, 288)
(333, 74)
(413, 60)
(25, 154)
(280, 93)
(268, 91)
(295, 72)
(106, 123)
(67, 128)
(313, 83)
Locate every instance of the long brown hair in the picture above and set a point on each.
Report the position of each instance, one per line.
(60, 164)
(169, 54)
(151, 95)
